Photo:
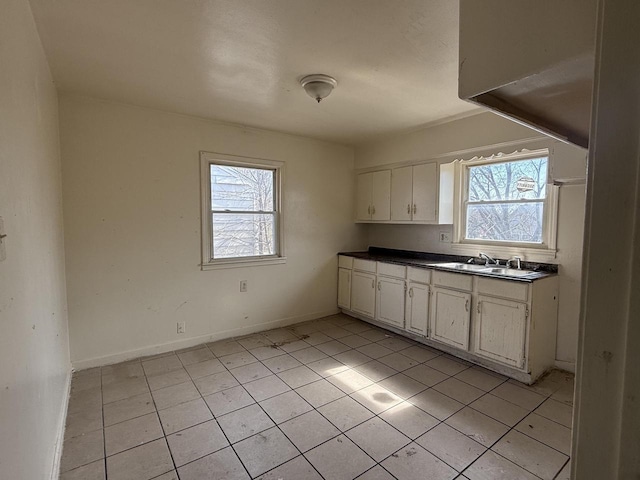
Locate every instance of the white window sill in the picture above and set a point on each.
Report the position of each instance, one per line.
(239, 263)
(529, 254)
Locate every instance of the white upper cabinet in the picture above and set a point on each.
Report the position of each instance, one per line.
(415, 193)
(401, 193)
(425, 192)
(374, 196)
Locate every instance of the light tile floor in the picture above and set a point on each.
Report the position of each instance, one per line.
(334, 398)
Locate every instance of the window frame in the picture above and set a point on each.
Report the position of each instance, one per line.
(544, 250)
(211, 158)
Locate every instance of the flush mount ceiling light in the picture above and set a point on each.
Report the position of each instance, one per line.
(318, 86)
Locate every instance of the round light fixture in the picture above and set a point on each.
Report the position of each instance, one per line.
(318, 86)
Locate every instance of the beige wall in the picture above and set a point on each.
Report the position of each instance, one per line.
(487, 134)
(132, 219)
(34, 351)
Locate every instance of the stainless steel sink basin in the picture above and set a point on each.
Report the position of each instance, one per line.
(509, 272)
(462, 266)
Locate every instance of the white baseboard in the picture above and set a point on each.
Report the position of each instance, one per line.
(190, 342)
(62, 421)
(567, 366)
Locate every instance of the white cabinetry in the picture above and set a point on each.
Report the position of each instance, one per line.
(344, 288)
(417, 310)
(363, 293)
(500, 330)
(363, 287)
(390, 301)
(418, 193)
(414, 193)
(374, 196)
(449, 318)
(508, 326)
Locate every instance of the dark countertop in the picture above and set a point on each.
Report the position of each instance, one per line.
(434, 261)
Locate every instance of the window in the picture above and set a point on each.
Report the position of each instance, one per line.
(507, 202)
(241, 211)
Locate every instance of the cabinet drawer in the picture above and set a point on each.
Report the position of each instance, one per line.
(345, 262)
(459, 281)
(364, 265)
(391, 270)
(420, 275)
(503, 288)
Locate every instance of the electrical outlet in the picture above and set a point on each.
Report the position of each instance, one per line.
(182, 327)
(243, 285)
(445, 237)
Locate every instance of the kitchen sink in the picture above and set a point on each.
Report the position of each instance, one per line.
(509, 272)
(462, 266)
(470, 267)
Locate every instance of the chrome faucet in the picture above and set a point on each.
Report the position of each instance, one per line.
(518, 261)
(489, 260)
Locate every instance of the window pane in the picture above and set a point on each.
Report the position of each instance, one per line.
(519, 179)
(505, 222)
(243, 235)
(241, 188)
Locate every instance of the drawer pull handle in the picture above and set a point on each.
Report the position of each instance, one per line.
(408, 208)
(466, 305)
(415, 208)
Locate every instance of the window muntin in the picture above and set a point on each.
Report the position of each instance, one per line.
(506, 201)
(241, 216)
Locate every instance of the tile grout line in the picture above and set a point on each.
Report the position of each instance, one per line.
(159, 421)
(347, 368)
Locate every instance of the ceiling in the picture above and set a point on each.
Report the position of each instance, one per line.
(240, 61)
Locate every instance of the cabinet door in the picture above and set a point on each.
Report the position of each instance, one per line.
(401, 196)
(417, 312)
(425, 191)
(364, 196)
(390, 301)
(500, 330)
(344, 288)
(363, 293)
(381, 204)
(449, 319)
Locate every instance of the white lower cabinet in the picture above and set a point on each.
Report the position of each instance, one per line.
(344, 288)
(390, 301)
(363, 293)
(500, 330)
(449, 317)
(417, 309)
(505, 325)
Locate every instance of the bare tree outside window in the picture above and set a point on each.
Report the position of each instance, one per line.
(243, 211)
(506, 201)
